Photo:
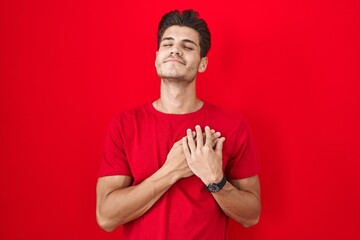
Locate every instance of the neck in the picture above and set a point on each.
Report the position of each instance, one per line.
(177, 99)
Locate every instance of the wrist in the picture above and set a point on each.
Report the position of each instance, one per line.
(213, 179)
(217, 186)
(172, 175)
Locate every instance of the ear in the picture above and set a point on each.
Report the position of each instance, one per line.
(203, 64)
(156, 57)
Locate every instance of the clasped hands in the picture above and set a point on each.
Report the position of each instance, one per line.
(199, 153)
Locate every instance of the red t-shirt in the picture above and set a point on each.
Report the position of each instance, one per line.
(137, 145)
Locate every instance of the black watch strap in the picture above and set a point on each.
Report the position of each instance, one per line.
(215, 187)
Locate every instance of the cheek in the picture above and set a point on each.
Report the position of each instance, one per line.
(159, 58)
(157, 62)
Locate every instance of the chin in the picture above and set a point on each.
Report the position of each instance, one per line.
(177, 80)
(170, 75)
(175, 77)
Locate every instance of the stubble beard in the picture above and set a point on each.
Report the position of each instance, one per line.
(176, 78)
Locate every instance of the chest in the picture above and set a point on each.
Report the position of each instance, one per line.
(148, 143)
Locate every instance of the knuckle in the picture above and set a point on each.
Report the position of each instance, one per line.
(206, 148)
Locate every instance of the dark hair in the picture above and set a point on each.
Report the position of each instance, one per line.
(187, 18)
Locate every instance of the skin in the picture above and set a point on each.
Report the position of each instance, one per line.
(239, 199)
(198, 153)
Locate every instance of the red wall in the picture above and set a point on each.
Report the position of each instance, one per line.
(292, 68)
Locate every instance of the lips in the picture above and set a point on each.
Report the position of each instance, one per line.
(174, 60)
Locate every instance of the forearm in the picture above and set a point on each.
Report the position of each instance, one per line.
(126, 204)
(241, 205)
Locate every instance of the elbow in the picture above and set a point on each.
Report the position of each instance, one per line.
(107, 228)
(252, 219)
(250, 222)
(105, 224)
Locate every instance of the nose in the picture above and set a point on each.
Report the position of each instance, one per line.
(175, 51)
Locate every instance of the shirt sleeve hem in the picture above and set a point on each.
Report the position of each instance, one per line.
(113, 173)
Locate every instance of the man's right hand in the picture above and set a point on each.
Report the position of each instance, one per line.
(176, 160)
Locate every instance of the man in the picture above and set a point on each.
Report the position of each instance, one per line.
(167, 171)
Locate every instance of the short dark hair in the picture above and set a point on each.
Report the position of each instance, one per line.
(186, 18)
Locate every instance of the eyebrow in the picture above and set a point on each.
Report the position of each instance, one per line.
(184, 40)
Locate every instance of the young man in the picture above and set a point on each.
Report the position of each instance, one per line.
(168, 172)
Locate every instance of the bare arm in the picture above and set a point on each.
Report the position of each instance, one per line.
(239, 199)
(118, 202)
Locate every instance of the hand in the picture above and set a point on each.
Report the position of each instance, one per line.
(176, 161)
(215, 136)
(203, 160)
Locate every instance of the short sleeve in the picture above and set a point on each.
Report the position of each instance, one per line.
(244, 162)
(114, 157)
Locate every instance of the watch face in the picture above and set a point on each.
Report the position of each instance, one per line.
(212, 187)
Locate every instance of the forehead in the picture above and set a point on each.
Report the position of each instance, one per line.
(179, 33)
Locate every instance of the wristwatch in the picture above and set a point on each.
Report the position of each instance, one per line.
(215, 187)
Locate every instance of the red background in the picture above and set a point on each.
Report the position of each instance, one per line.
(291, 67)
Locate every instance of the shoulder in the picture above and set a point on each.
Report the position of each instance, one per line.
(133, 113)
(129, 117)
(224, 114)
(232, 124)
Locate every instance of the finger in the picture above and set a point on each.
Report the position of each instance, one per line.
(216, 135)
(199, 137)
(219, 145)
(185, 148)
(190, 141)
(209, 137)
(215, 142)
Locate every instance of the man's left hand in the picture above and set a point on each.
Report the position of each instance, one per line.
(204, 160)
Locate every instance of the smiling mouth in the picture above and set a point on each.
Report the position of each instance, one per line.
(174, 60)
